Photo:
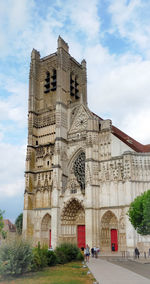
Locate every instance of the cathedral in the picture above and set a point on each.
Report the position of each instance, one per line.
(82, 172)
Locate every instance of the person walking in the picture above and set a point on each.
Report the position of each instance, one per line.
(95, 252)
(92, 252)
(137, 253)
(87, 253)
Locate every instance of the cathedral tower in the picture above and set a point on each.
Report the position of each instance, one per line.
(82, 172)
(57, 86)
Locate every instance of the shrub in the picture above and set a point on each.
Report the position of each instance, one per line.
(80, 256)
(15, 257)
(51, 258)
(67, 252)
(39, 259)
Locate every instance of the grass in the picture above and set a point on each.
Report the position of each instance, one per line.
(70, 273)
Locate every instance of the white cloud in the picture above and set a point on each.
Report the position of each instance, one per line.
(27, 27)
(131, 20)
(119, 88)
(14, 106)
(84, 15)
(138, 123)
(15, 16)
(12, 169)
(13, 189)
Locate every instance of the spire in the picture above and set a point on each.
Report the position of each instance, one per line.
(62, 44)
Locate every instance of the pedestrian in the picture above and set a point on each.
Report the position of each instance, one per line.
(113, 247)
(84, 254)
(87, 253)
(92, 252)
(95, 252)
(137, 253)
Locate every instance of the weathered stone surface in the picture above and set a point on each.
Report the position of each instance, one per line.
(78, 172)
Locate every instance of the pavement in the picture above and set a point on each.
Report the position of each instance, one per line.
(106, 272)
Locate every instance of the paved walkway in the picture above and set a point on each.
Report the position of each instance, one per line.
(109, 273)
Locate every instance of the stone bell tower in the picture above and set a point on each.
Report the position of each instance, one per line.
(57, 85)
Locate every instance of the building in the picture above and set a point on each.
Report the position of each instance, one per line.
(10, 230)
(81, 171)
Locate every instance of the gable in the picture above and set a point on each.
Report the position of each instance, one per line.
(80, 120)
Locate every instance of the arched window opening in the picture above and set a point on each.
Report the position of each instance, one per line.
(79, 170)
(47, 83)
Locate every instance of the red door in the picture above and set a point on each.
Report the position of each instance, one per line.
(81, 236)
(50, 238)
(114, 240)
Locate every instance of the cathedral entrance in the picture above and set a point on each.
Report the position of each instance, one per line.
(46, 230)
(114, 240)
(81, 236)
(73, 223)
(109, 232)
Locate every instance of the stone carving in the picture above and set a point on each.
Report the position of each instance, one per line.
(40, 152)
(106, 124)
(64, 183)
(28, 156)
(71, 211)
(79, 170)
(80, 120)
(88, 175)
(73, 113)
(45, 119)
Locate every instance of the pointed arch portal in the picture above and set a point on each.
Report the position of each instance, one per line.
(46, 230)
(109, 232)
(73, 223)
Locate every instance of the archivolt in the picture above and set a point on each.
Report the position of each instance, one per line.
(109, 218)
(71, 210)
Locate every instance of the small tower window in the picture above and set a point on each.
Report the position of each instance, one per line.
(74, 90)
(48, 163)
(47, 83)
(54, 80)
(36, 142)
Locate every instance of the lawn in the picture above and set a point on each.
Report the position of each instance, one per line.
(70, 273)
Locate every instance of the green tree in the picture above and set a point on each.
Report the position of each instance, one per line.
(139, 213)
(19, 223)
(1, 220)
(2, 232)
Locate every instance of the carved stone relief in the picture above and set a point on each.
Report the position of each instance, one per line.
(72, 212)
(80, 120)
(109, 221)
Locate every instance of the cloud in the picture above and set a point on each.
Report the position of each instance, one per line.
(120, 86)
(84, 16)
(27, 25)
(13, 106)
(138, 123)
(128, 21)
(12, 169)
(14, 17)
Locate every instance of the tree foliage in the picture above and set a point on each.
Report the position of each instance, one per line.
(19, 223)
(1, 220)
(139, 213)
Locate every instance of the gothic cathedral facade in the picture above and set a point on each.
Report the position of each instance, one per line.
(81, 171)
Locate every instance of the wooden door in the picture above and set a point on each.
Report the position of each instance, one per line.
(81, 236)
(114, 240)
(50, 238)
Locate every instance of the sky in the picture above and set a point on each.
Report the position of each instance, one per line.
(114, 38)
